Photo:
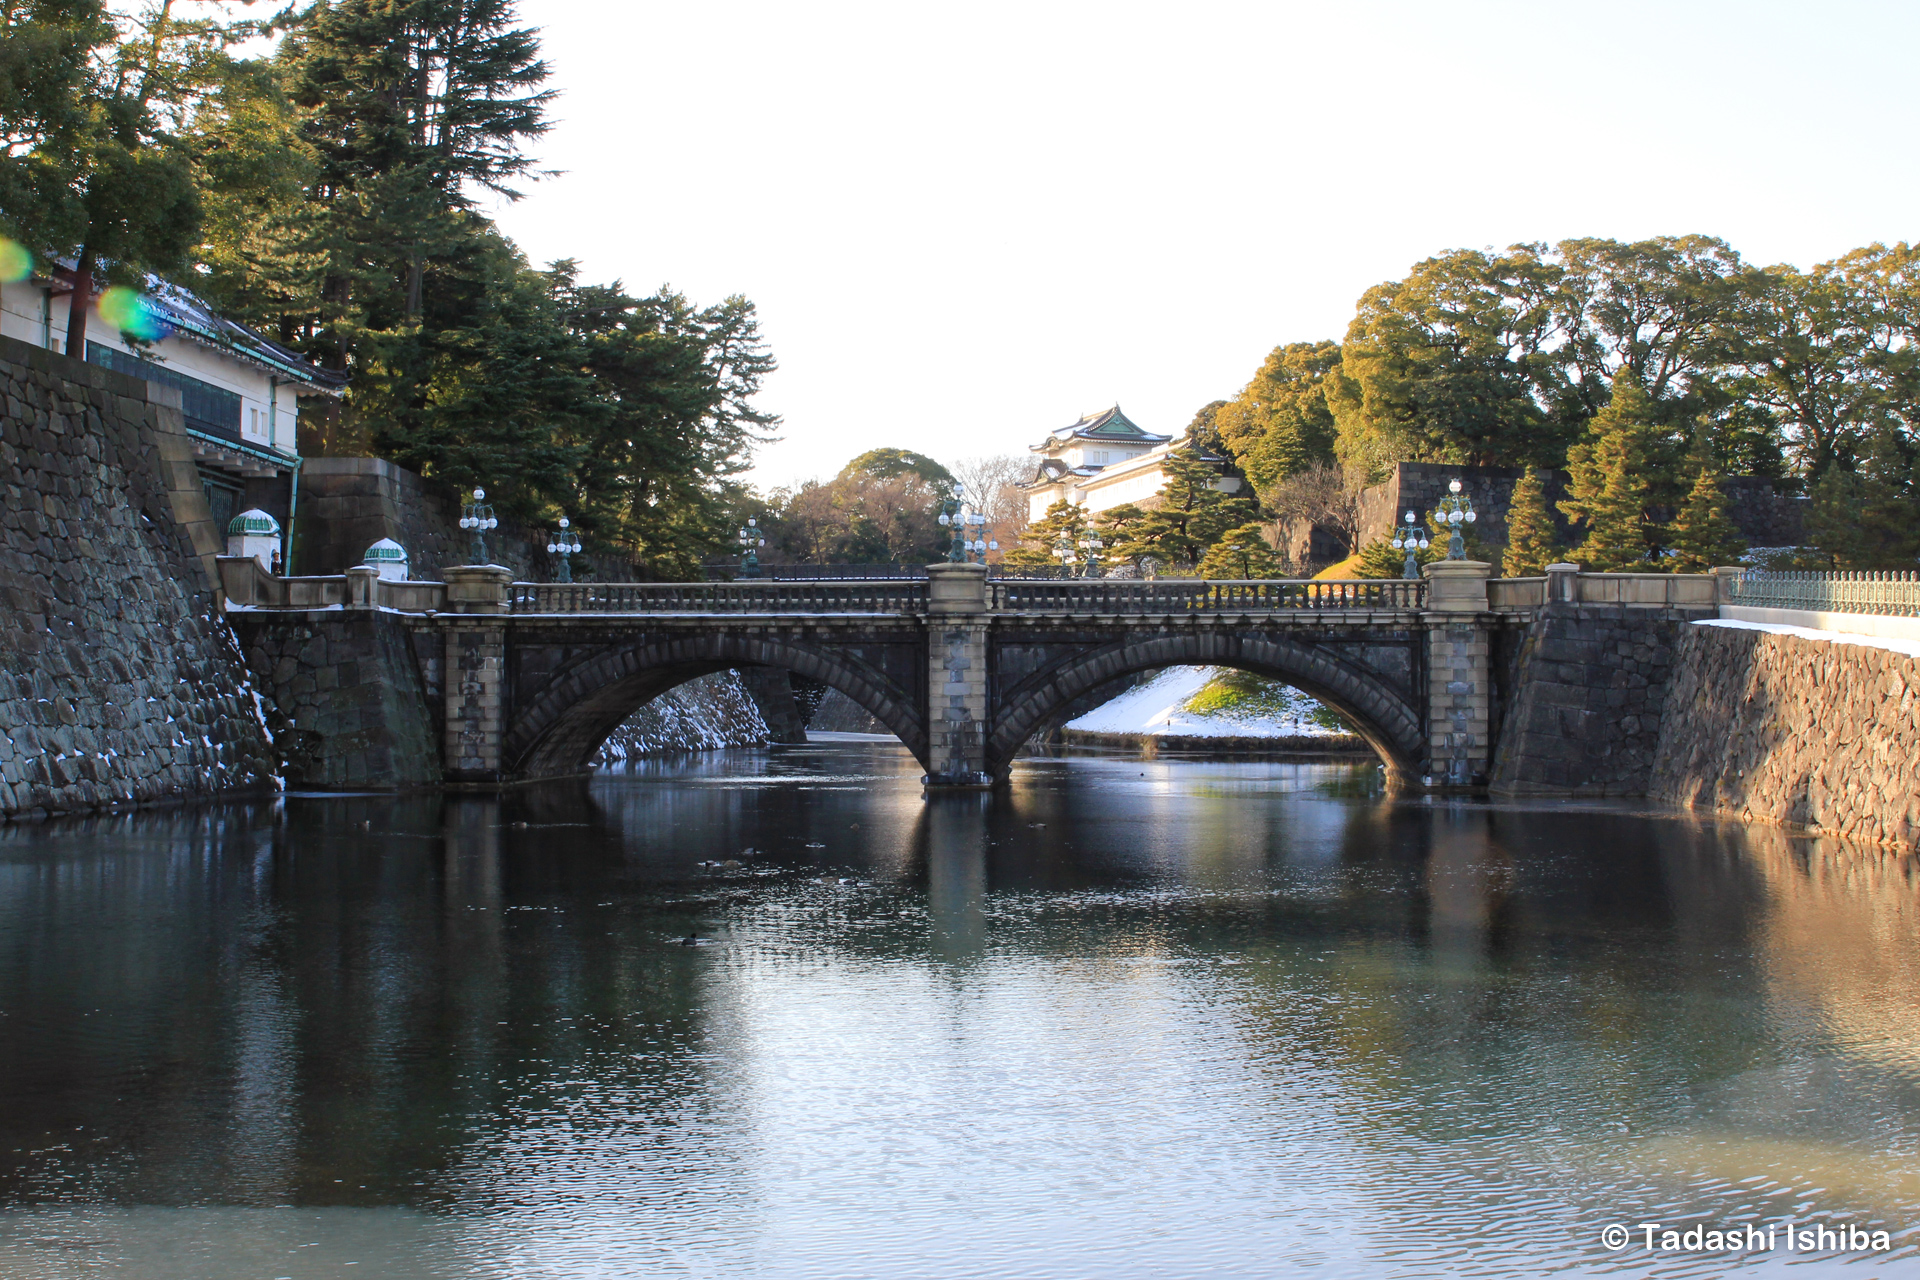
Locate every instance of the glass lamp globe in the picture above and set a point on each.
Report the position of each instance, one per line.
(1453, 486)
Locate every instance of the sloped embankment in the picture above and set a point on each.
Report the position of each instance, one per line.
(706, 714)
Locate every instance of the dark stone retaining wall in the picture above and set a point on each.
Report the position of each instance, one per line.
(1809, 733)
(1589, 685)
(705, 714)
(355, 697)
(122, 684)
(348, 504)
(837, 713)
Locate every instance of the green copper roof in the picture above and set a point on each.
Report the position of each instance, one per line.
(385, 551)
(1112, 423)
(254, 523)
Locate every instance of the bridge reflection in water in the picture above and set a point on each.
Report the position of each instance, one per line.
(1167, 1016)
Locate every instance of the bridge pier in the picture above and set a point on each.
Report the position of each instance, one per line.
(1459, 690)
(957, 622)
(476, 674)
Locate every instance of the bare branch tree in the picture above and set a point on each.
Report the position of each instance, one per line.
(1320, 495)
(993, 487)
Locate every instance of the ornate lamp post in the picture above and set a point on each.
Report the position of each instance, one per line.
(564, 545)
(1455, 510)
(750, 544)
(1063, 552)
(977, 541)
(477, 516)
(1092, 545)
(1414, 540)
(952, 516)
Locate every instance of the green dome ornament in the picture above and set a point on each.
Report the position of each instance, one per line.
(257, 534)
(254, 523)
(389, 557)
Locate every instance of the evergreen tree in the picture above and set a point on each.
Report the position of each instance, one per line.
(1120, 528)
(1703, 534)
(1379, 558)
(95, 164)
(1242, 553)
(885, 464)
(1279, 424)
(1867, 516)
(1612, 487)
(1060, 531)
(1532, 541)
(1190, 514)
(1203, 432)
(412, 108)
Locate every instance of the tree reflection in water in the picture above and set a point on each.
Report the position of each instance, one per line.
(1125, 1018)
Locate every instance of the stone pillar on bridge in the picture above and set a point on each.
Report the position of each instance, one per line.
(475, 673)
(1459, 690)
(957, 676)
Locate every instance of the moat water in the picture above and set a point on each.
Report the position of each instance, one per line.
(1122, 1020)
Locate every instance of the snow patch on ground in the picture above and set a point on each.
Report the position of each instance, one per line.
(1159, 707)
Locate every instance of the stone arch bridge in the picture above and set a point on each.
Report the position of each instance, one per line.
(523, 681)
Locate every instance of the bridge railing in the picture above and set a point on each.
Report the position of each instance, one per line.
(1189, 596)
(1891, 594)
(891, 596)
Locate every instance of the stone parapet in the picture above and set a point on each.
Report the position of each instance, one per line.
(478, 588)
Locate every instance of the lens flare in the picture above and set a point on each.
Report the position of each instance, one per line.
(128, 311)
(16, 263)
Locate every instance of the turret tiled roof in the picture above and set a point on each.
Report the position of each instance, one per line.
(1109, 425)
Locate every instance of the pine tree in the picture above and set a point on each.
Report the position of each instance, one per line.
(1120, 528)
(1532, 541)
(1612, 483)
(1703, 535)
(1379, 559)
(1190, 515)
(1059, 532)
(1867, 515)
(412, 108)
(1242, 553)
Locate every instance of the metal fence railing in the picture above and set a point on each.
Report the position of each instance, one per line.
(1893, 593)
(894, 596)
(1191, 595)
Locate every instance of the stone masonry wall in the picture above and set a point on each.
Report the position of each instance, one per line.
(348, 504)
(1811, 733)
(352, 697)
(1588, 687)
(706, 714)
(122, 685)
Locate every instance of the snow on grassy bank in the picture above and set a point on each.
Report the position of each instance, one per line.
(1160, 707)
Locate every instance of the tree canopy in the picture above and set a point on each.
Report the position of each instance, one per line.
(329, 192)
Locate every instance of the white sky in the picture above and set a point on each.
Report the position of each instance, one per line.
(965, 225)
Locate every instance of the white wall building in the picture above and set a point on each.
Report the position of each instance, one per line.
(240, 391)
(1104, 460)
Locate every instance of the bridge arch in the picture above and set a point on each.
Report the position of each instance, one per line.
(1378, 713)
(562, 725)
